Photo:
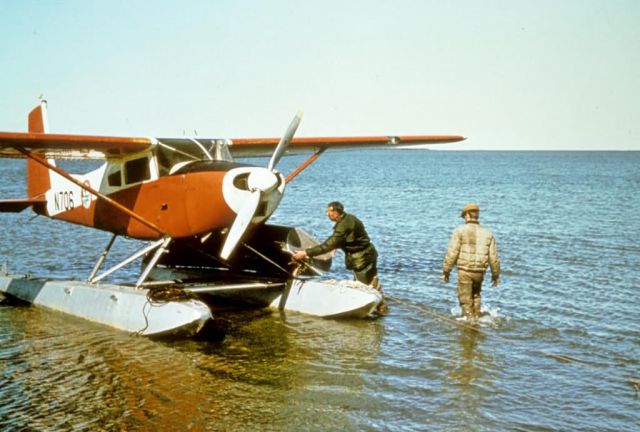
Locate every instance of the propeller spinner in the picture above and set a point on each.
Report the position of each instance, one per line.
(264, 188)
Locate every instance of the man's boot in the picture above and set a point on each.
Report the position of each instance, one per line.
(467, 311)
(382, 308)
(476, 308)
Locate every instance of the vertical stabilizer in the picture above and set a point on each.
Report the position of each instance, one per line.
(38, 121)
(38, 180)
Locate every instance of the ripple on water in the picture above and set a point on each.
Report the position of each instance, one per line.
(564, 224)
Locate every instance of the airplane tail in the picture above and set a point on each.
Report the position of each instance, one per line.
(38, 176)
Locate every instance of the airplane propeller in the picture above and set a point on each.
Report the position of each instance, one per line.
(241, 223)
(284, 141)
(260, 182)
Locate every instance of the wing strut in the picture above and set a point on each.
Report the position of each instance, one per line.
(305, 164)
(91, 190)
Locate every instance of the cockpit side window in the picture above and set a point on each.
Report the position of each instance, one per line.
(115, 179)
(137, 170)
(114, 175)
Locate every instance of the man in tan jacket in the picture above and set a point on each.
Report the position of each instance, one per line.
(472, 249)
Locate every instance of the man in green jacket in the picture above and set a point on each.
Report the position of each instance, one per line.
(472, 249)
(349, 235)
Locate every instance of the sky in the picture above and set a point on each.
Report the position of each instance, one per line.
(508, 75)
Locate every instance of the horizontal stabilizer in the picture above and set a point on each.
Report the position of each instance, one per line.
(17, 205)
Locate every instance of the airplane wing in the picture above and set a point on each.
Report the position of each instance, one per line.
(244, 147)
(63, 146)
(59, 146)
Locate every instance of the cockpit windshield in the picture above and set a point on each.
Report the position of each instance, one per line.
(173, 153)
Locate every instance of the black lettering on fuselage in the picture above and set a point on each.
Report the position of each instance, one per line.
(63, 200)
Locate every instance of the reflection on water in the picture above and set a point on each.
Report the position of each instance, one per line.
(63, 373)
(472, 381)
(472, 360)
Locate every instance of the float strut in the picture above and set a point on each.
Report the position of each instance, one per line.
(101, 259)
(135, 256)
(152, 263)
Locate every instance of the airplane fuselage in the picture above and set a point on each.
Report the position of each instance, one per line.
(190, 202)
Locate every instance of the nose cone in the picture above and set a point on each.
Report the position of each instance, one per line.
(239, 183)
(262, 179)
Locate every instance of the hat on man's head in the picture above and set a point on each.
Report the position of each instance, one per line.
(469, 207)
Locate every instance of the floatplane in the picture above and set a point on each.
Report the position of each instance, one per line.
(201, 214)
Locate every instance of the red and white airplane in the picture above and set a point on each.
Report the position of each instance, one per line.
(179, 193)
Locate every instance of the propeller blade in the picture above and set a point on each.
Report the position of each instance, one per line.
(284, 141)
(240, 224)
(258, 183)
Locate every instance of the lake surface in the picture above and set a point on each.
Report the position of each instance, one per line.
(559, 349)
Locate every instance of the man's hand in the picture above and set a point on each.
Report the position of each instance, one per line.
(445, 277)
(495, 282)
(300, 255)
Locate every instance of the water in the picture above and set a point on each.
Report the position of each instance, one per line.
(558, 349)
